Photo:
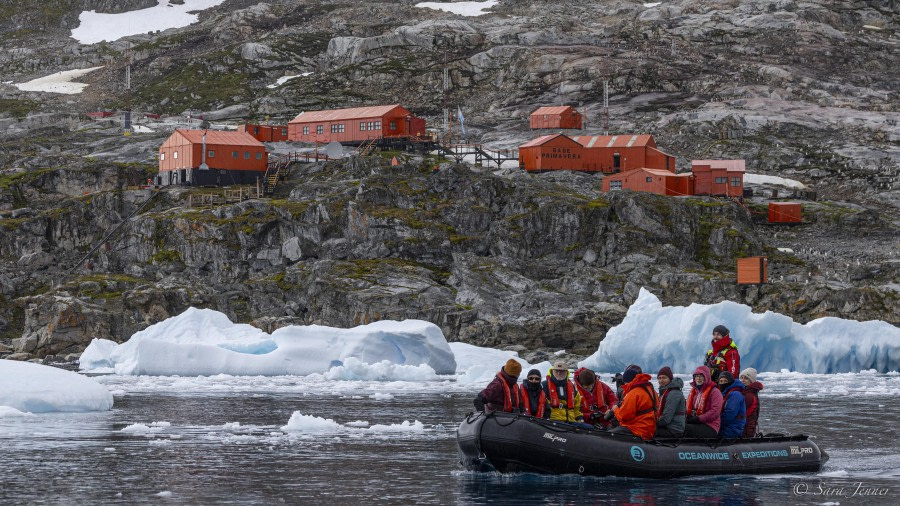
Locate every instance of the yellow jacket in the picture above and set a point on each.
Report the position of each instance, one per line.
(560, 392)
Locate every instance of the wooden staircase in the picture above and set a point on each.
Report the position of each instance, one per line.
(276, 171)
(366, 148)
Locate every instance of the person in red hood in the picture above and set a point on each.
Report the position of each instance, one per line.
(637, 414)
(502, 393)
(704, 406)
(724, 354)
(751, 399)
(596, 397)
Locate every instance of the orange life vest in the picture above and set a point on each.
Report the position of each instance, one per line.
(554, 396)
(701, 408)
(509, 395)
(526, 403)
(591, 402)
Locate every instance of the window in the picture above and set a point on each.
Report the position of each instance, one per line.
(649, 179)
(284, 132)
(246, 155)
(162, 156)
(306, 130)
(721, 180)
(320, 129)
(393, 125)
(175, 155)
(370, 125)
(735, 181)
(211, 154)
(256, 130)
(337, 128)
(362, 126)
(259, 156)
(377, 125)
(617, 161)
(615, 185)
(234, 154)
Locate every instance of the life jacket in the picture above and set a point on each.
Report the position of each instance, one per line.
(713, 357)
(725, 403)
(701, 408)
(526, 403)
(591, 402)
(554, 396)
(662, 404)
(654, 400)
(509, 394)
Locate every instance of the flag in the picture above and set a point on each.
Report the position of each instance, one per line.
(462, 120)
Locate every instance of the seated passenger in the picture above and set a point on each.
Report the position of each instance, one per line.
(596, 397)
(734, 413)
(502, 393)
(534, 400)
(670, 419)
(637, 414)
(751, 399)
(565, 403)
(704, 406)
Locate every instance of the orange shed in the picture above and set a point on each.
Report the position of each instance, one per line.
(661, 182)
(550, 152)
(561, 117)
(718, 177)
(785, 212)
(611, 154)
(266, 133)
(752, 270)
(231, 158)
(355, 125)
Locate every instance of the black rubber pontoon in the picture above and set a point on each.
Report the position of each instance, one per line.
(511, 443)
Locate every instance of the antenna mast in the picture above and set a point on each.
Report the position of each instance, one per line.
(128, 58)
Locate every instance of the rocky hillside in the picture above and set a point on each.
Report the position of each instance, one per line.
(804, 90)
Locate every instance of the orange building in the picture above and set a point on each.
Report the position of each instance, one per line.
(618, 153)
(266, 133)
(661, 182)
(355, 125)
(231, 158)
(550, 152)
(718, 177)
(562, 117)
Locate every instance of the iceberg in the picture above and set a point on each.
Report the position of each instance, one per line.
(653, 336)
(35, 388)
(204, 342)
(478, 366)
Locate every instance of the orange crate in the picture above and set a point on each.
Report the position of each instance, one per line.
(785, 212)
(752, 270)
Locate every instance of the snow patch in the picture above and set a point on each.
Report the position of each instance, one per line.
(461, 8)
(36, 388)
(653, 336)
(282, 80)
(59, 82)
(96, 27)
(775, 180)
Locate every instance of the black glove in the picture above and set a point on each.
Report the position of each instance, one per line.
(692, 419)
(479, 403)
(609, 415)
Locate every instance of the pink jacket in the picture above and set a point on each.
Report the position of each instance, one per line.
(712, 406)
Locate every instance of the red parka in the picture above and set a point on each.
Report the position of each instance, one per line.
(751, 399)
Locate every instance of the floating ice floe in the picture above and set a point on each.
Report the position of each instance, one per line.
(461, 8)
(59, 82)
(96, 27)
(35, 388)
(653, 336)
(203, 342)
(310, 424)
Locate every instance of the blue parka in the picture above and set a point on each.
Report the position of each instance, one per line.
(734, 411)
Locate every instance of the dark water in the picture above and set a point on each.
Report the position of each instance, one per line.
(86, 458)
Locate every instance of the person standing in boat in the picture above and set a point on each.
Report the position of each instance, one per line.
(565, 403)
(637, 414)
(671, 415)
(533, 398)
(751, 399)
(723, 356)
(596, 397)
(502, 393)
(734, 412)
(704, 406)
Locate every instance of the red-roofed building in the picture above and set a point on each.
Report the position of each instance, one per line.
(561, 117)
(231, 158)
(355, 125)
(550, 152)
(718, 177)
(266, 133)
(661, 182)
(619, 153)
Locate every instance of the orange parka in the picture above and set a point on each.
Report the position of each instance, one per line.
(638, 409)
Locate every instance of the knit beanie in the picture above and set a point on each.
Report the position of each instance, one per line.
(630, 373)
(729, 378)
(534, 372)
(750, 374)
(667, 372)
(512, 368)
(721, 329)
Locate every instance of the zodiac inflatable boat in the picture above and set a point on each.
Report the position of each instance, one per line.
(511, 443)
